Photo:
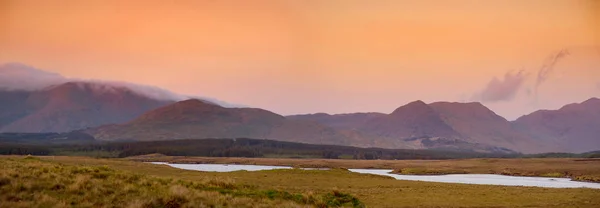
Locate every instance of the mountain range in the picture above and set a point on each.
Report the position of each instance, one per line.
(121, 112)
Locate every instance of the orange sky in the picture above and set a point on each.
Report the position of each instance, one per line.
(334, 56)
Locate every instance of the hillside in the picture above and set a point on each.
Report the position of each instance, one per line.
(197, 119)
(478, 124)
(574, 126)
(71, 106)
(413, 120)
(339, 121)
(440, 125)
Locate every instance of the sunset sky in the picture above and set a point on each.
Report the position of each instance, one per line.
(333, 56)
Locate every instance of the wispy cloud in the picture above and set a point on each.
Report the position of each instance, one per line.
(503, 89)
(547, 68)
(17, 76)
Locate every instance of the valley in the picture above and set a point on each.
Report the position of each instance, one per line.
(298, 104)
(274, 187)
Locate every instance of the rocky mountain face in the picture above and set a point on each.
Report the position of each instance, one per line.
(71, 106)
(576, 127)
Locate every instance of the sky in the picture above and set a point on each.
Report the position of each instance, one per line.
(309, 56)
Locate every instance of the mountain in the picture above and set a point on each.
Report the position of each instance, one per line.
(71, 106)
(440, 125)
(197, 119)
(339, 121)
(415, 119)
(11, 106)
(478, 124)
(574, 126)
(33, 100)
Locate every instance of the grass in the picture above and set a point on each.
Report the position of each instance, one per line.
(97, 153)
(289, 156)
(371, 190)
(34, 182)
(577, 169)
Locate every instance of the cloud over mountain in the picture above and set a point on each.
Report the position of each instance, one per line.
(503, 89)
(18, 76)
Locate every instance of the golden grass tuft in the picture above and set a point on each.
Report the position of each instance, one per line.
(31, 182)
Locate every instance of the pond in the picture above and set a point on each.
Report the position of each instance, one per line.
(483, 179)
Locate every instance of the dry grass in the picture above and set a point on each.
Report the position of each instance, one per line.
(373, 191)
(31, 182)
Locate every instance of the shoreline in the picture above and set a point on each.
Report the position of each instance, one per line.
(574, 169)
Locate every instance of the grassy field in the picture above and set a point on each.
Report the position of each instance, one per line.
(79, 182)
(577, 169)
(373, 191)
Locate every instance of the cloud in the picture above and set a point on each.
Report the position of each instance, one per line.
(17, 76)
(547, 68)
(502, 89)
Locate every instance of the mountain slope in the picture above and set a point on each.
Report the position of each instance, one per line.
(12, 106)
(415, 119)
(441, 125)
(71, 106)
(478, 124)
(339, 121)
(198, 119)
(574, 126)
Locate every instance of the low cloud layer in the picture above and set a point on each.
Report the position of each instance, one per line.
(503, 89)
(17, 76)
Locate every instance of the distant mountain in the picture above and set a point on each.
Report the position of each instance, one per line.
(478, 124)
(33, 100)
(575, 126)
(415, 119)
(440, 125)
(197, 119)
(339, 121)
(71, 106)
(124, 111)
(12, 106)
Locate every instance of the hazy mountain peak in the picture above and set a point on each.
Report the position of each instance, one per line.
(470, 108)
(415, 106)
(593, 100)
(194, 103)
(574, 126)
(19, 76)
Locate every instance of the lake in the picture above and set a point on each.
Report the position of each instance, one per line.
(483, 179)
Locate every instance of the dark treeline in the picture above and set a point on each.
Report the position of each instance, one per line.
(243, 147)
(80, 144)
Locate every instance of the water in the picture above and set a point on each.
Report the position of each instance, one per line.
(487, 179)
(221, 167)
(484, 179)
